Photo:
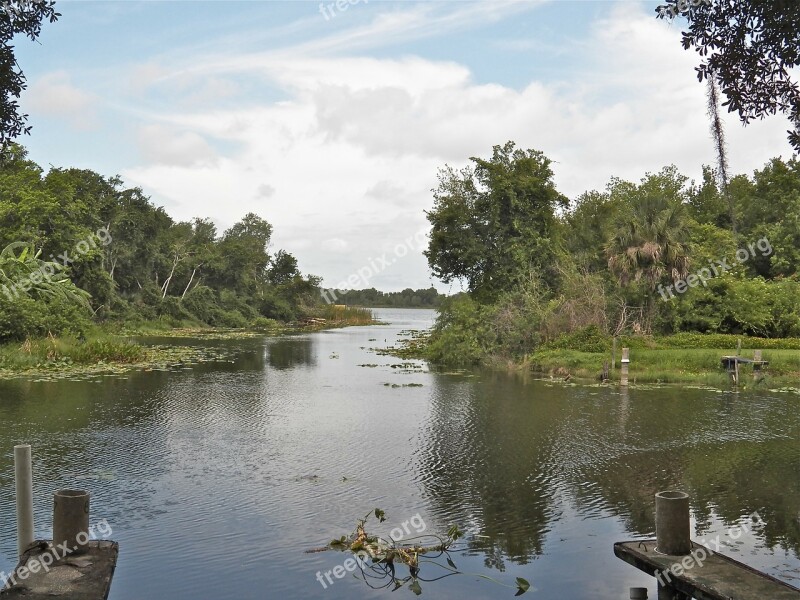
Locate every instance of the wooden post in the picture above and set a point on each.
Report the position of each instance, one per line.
(623, 380)
(738, 346)
(756, 366)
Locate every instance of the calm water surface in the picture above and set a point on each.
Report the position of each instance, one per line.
(216, 478)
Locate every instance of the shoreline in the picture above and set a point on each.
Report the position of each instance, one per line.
(106, 352)
(680, 359)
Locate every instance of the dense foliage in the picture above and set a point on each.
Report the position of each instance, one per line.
(653, 257)
(494, 221)
(79, 247)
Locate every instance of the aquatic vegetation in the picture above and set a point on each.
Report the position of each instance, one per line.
(54, 359)
(402, 385)
(412, 345)
(377, 558)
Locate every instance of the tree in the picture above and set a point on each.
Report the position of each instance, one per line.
(706, 204)
(770, 208)
(495, 222)
(283, 268)
(25, 17)
(242, 260)
(590, 224)
(750, 48)
(651, 240)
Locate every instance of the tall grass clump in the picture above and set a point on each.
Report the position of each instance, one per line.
(52, 351)
(346, 315)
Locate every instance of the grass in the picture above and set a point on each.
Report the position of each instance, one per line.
(340, 315)
(65, 351)
(666, 365)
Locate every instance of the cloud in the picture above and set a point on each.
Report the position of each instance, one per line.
(166, 145)
(387, 191)
(54, 95)
(335, 245)
(265, 191)
(142, 76)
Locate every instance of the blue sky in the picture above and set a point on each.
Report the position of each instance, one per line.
(333, 126)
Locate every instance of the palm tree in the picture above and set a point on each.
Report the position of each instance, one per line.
(650, 243)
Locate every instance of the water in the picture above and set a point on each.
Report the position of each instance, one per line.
(215, 479)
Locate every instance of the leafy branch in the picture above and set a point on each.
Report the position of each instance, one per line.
(378, 558)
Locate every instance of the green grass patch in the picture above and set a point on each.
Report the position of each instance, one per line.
(53, 352)
(667, 365)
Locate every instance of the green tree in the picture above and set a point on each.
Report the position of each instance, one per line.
(706, 203)
(768, 206)
(495, 222)
(241, 259)
(591, 224)
(283, 268)
(650, 245)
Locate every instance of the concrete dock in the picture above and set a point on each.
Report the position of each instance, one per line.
(703, 574)
(43, 572)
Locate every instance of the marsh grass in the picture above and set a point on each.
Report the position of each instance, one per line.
(52, 351)
(339, 314)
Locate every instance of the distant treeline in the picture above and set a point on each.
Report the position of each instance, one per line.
(408, 298)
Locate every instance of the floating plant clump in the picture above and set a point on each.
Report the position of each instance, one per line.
(378, 559)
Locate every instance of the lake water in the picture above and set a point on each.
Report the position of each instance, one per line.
(216, 478)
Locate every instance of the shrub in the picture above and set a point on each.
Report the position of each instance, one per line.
(25, 317)
(456, 337)
(588, 339)
(264, 323)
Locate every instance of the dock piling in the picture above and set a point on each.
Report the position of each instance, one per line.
(672, 523)
(624, 363)
(23, 477)
(757, 364)
(71, 518)
(681, 573)
(670, 593)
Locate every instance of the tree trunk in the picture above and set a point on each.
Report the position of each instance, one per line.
(165, 287)
(190, 280)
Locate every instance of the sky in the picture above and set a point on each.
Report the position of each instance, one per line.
(332, 122)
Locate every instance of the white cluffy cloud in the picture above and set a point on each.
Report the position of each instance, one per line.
(54, 95)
